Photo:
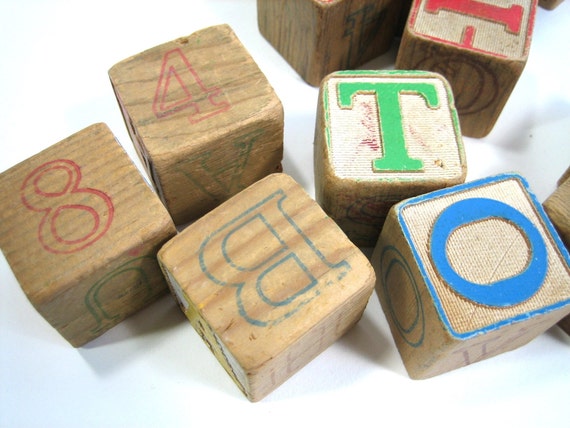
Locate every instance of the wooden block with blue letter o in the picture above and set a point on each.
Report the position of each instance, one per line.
(317, 37)
(268, 281)
(381, 137)
(469, 272)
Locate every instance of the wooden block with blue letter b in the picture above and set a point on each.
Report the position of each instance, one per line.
(269, 281)
(382, 137)
(469, 272)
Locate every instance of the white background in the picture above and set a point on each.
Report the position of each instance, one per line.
(153, 369)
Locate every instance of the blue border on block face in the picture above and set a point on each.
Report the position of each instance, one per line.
(467, 186)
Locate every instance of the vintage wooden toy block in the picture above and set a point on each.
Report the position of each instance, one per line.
(317, 37)
(549, 4)
(469, 272)
(557, 207)
(480, 47)
(80, 229)
(382, 137)
(268, 281)
(203, 117)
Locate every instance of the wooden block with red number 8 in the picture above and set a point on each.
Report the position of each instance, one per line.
(80, 229)
(269, 281)
(204, 119)
(480, 47)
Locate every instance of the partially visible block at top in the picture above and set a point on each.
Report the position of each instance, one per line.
(382, 137)
(317, 37)
(268, 281)
(80, 229)
(480, 47)
(203, 117)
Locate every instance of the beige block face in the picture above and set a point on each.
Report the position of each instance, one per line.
(497, 27)
(80, 229)
(269, 281)
(499, 266)
(358, 134)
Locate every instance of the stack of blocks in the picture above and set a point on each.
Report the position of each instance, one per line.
(268, 277)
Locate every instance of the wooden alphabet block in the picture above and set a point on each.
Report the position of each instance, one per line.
(204, 119)
(480, 47)
(317, 37)
(557, 207)
(382, 137)
(80, 229)
(469, 272)
(268, 281)
(549, 4)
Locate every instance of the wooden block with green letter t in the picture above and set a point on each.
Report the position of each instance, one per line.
(268, 281)
(469, 272)
(381, 137)
(204, 119)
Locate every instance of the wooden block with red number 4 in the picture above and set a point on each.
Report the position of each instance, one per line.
(204, 119)
(80, 229)
(269, 281)
(480, 47)
(557, 206)
(317, 37)
(469, 272)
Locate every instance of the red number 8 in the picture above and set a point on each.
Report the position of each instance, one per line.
(53, 188)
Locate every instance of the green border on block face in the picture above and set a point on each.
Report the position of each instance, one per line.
(557, 243)
(383, 164)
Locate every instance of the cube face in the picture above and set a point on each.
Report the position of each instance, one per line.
(317, 37)
(382, 137)
(480, 47)
(204, 119)
(470, 272)
(72, 234)
(498, 28)
(268, 281)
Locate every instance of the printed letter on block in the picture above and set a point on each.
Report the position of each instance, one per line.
(382, 137)
(268, 281)
(480, 46)
(317, 37)
(469, 272)
(80, 228)
(204, 119)
(557, 207)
